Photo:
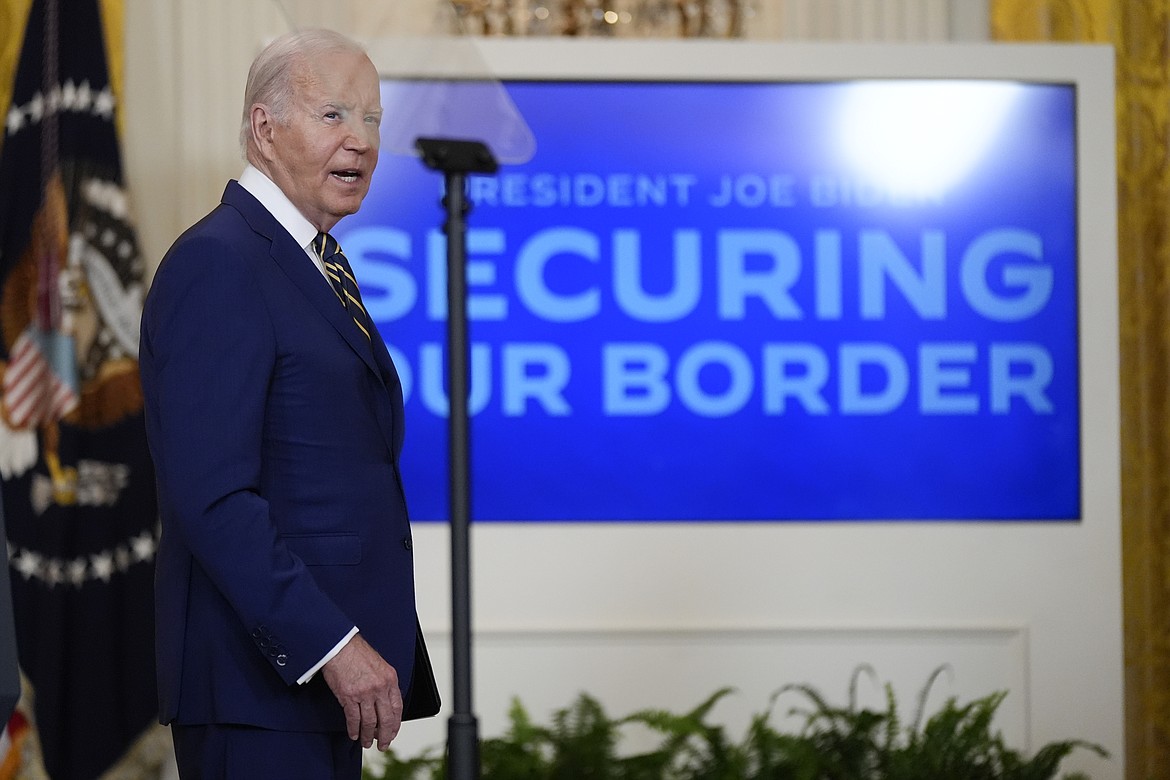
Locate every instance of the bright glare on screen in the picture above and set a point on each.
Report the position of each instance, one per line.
(917, 139)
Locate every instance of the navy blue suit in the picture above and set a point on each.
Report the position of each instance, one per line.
(275, 428)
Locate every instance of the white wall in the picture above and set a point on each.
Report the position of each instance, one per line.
(663, 615)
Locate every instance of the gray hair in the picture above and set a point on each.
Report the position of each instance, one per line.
(273, 77)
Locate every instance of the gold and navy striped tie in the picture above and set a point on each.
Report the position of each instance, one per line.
(341, 275)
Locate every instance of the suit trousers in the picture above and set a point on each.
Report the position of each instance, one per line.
(233, 752)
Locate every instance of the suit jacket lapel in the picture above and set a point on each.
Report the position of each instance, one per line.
(394, 388)
(293, 261)
(297, 266)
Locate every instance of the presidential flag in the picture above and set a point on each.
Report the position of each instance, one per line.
(78, 488)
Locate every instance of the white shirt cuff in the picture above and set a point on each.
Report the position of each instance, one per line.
(304, 678)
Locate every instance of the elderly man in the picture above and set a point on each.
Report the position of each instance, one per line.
(285, 585)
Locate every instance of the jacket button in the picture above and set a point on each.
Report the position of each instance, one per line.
(407, 543)
(281, 659)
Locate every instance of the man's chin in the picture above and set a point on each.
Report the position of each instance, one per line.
(346, 206)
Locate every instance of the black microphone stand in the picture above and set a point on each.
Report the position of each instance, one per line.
(457, 159)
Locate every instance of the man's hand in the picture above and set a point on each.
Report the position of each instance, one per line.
(367, 688)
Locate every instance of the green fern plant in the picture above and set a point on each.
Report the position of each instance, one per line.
(957, 742)
(835, 743)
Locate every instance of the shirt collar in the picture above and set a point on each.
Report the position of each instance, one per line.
(278, 205)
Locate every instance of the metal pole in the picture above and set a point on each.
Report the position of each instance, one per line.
(457, 158)
(462, 729)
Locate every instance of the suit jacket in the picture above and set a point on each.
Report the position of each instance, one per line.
(275, 427)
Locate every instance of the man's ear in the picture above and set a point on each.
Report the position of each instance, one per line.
(263, 129)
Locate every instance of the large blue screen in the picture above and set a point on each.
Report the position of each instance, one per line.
(749, 301)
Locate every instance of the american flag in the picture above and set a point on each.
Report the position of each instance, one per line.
(40, 383)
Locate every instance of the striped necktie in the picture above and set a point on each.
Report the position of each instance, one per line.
(341, 275)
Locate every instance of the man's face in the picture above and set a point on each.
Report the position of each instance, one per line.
(324, 155)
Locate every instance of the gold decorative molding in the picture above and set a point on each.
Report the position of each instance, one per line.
(1050, 20)
(618, 18)
(1139, 34)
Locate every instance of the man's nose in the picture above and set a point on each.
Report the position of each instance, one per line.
(361, 137)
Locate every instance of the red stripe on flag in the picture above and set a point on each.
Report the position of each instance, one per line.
(33, 393)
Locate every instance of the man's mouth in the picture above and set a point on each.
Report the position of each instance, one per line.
(349, 175)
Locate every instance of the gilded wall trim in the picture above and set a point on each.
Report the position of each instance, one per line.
(1139, 34)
